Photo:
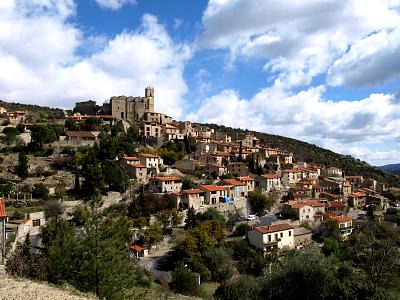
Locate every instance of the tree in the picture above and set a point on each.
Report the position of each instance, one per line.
(191, 220)
(153, 234)
(41, 135)
(11, 134)
(22, 168)
(95, 260)
(219, 262)
(258, 201)
(242, 229)
(40, 191)
(212, 214)
(376, 250)
(307, 273)
(60, 190)
(243, 288)
(185, 282)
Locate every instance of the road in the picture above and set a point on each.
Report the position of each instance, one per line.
(152, 263)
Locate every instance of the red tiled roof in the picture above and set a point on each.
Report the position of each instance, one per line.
(3, 213)
(213, 188)
(194, 191)
(314, 204)
(130, 158)
(357, 194)
(246, 178)
(292, 171)
(137, 165)
(136, 248)
(270, 176)
(341, 218)
(148, 155)
(336, 204)
(273, 228)
(234, 182)
(168, 178)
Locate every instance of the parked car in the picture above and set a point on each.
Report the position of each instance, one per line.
(251, 217)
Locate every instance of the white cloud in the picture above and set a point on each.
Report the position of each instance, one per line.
(46, 69)
(374, 59)
(341, 126)
(298, 39)
(114, 4)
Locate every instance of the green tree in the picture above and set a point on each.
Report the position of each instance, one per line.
(60, 190)
(22, 168)
(242, 229)
(376, 250)
(41, 135)
(11, 134)
(40, 191)
(212, 214)
(191, 220)
(96, 260)
(185, 282)
(258, 201)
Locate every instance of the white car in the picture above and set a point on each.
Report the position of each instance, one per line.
(251, 217)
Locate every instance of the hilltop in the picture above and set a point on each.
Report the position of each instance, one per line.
(313, 154)
(391, 168)
(47, 112)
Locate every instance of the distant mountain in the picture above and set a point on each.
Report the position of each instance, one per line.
(392, 168)
(313, 154)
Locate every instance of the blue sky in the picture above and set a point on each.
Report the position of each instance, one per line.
(326, 72)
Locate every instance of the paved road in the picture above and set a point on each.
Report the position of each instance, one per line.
(152, 262)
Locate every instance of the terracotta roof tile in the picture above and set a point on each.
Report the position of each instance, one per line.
(148, 155)
(273, 228)
(3, 213)
(245, 178)
(213, 188)
(168, 178)
(194, 191)
(233, 182)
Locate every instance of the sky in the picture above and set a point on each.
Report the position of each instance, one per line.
(322, 71)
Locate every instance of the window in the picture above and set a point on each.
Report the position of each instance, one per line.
(269, 237)
(281, 234)
(36, 222)
(290, 233)
(276, 236)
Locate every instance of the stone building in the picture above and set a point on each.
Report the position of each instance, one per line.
(132, 108)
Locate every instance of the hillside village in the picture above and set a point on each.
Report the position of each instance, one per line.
(168, 177)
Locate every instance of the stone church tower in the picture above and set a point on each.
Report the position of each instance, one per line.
(132, 108)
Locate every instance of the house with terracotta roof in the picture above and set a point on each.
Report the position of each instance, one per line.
(192, 198)
(150, 160)
(237, 189)
(160, 184)
(171, 132)
(333, 171)
(238, 169)
(214, 194)
(291, 177)
(215, 170)
(357, 199)
(330, 196)
(268, 182)
(137, 171)
(137, 251)
(336, 207)
(309, 211)
(270, 237)
(345, 224)
(249, 181)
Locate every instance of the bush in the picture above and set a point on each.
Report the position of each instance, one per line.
(242, 229)
(185, 282)
(40, 191)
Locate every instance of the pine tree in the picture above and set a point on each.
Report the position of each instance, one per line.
(22, 168)
(191, 220)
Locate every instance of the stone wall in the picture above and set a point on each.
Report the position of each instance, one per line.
(241, 205)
